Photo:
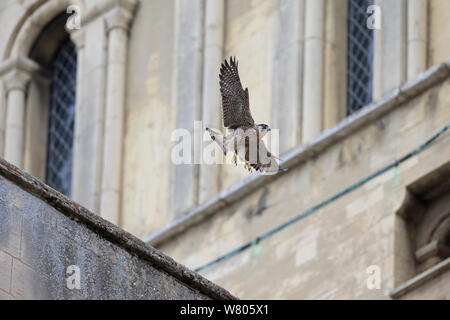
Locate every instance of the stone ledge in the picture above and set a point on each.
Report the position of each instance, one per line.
(420, 279)
(111, 232)
(302, 153)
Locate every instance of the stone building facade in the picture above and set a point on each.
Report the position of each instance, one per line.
(355, 205)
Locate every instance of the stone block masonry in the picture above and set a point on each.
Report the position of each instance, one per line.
(43, 234)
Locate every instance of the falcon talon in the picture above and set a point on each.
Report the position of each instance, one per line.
(235, 159)
(248, 166)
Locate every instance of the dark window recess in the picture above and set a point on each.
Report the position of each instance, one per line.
(426, 211)
(61, 119)
(359, 56)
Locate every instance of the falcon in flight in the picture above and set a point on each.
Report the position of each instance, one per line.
(244, 136)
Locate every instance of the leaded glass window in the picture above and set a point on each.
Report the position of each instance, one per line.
(61, 119)
(359, 56)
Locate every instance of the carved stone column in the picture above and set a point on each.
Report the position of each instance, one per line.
(213, 55)
(187, 88)
(389, 69)
(78, 38)
(313, 70)
(16, 74)
(117, 24)
(287, 79)
(417, 37)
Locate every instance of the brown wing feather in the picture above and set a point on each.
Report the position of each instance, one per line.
(265, 161)
(235, 101)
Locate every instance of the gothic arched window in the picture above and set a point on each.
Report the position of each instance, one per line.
(61, 119)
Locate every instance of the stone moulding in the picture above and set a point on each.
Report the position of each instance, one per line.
(420, 279)
(302, 153)
(39, 13)
(111, 232)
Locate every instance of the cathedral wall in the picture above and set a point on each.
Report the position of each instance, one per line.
(326, 253)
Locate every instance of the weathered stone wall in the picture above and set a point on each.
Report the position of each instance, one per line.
(150, 118)
(38, 242)
(326, 254)
(269, 39)
(439, 41)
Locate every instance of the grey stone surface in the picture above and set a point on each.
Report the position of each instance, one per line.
(5, 271)
(42, 233)
(10, 226)
(188, 97)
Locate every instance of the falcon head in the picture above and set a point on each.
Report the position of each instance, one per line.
(262, 129)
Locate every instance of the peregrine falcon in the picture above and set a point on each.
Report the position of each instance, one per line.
(244, 136)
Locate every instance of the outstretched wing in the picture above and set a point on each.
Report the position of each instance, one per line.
(235, 102)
